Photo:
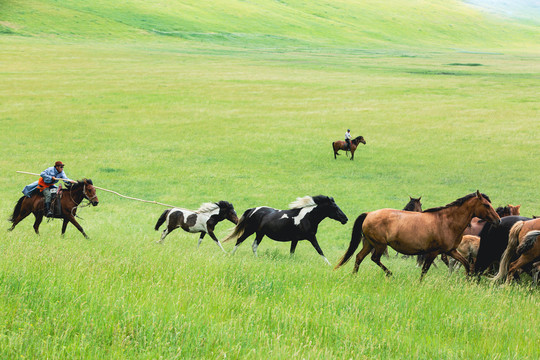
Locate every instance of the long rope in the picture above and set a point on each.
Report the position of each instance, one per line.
(114, 192)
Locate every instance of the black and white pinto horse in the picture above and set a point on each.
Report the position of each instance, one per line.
(201, 221)
(298, 223)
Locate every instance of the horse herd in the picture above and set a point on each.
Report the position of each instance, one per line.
(469, 230)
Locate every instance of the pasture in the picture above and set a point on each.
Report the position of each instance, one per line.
(185, 123)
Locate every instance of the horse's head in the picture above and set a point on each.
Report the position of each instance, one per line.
(331, 209)
(90, 191)
(484, 210)
(514, 209)
(226, 210)
(413, 205)
(359, 139)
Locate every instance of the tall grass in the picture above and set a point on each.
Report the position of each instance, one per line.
(186, 122)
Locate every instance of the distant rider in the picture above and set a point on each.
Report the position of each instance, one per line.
(348, 139)
(49, 177)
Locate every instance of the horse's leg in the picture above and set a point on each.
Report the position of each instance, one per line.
(444, 259)
(200, 239)
(72, 220)
(64, 226)
(366, 249)
(241, 239)
(428, 260)
(376, 258)
(39, 218)
(315, 243)
(211, 233)
(19, 218)
(256, 242)
(515, 267)
(456, 255)
(352, 153)
(293, 246)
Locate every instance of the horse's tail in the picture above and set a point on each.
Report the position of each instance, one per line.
(334, 148)
(162, 219)
(510, 252)
(355, 239)
(528, 241)
(239, 228)
(16, 210)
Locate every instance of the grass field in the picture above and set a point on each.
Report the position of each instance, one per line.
(246, 111)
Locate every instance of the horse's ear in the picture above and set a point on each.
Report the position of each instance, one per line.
(478, 195)
(419, 197)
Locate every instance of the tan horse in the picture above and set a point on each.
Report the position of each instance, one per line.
(432, 232)
(523, 243)
(468, 248)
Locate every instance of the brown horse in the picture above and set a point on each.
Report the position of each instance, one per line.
(342, 145)
(523, 244)
(431, 232)
(70, 199)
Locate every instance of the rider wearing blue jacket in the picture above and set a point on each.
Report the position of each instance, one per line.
(49, 177)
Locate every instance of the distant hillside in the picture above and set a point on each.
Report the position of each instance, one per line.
(272, 23)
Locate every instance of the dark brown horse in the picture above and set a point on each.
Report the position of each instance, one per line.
(431, 232)
(342, 145)
(70, 199)
(523, 249)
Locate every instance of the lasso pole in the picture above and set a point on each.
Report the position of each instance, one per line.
(114, 192)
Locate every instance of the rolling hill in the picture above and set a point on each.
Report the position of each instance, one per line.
(274, 23)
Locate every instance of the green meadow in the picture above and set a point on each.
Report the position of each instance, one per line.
(183, 102)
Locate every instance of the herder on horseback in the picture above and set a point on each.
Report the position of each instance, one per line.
(48, 178)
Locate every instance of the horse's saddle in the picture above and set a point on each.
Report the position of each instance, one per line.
(56, 203)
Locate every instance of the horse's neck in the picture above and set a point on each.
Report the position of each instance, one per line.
(458, 217)
(75, 195)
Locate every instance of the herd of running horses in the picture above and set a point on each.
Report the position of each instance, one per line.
(468, 230)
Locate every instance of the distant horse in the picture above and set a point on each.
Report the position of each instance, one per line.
(431, 232)
(523, 247)
(342, 145)
(70, 198)
(201, 221)
(298, 223)
(508, 210)
(493, 242)
(468, 248)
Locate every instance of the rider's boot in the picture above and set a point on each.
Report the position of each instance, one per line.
(48, 210)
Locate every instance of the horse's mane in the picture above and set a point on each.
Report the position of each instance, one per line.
(78, 184)
(208, 207)
(302, 202)
(458, 202)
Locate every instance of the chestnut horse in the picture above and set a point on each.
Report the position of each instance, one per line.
(70, 198)
(431, 232)
(342, 145)
(523, 247)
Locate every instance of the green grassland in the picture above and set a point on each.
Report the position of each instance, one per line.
(186, 102)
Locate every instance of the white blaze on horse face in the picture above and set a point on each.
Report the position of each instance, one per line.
(302, 214)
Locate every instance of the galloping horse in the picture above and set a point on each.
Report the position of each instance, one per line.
(298, 223)
(70, 198)
(493, 242)
(431, 232)
(342, 145)
(201, 221)
(523, 244)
